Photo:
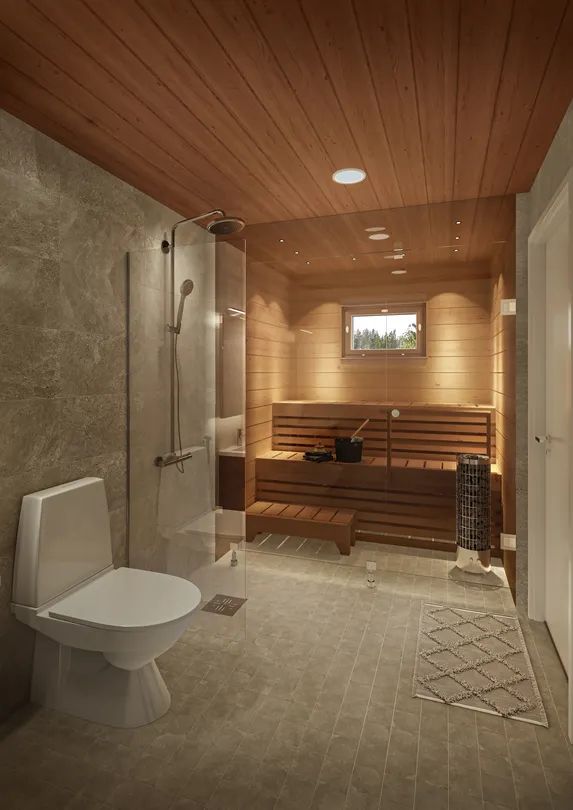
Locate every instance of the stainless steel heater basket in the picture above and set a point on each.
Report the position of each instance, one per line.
(473, 502)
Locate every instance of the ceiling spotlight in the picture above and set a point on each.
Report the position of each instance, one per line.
(456, 250)
(348, 177)
(457, 237)
(458, 222)
(308, 262)
(281, 240)
(296, 253)
(377, 236)
(354, 258)
(383, 310)
(399, 272)
(375, 228)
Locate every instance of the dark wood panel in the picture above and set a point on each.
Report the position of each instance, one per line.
(418, 433)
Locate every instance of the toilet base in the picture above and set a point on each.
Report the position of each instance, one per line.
(86, 685)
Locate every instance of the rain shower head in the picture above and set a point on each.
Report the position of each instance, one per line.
(222, 226)
(226, 226)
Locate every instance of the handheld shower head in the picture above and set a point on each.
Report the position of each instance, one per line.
(185, 289)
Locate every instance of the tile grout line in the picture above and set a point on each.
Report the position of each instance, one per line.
(369, 699)
(338, 714)
(381, 793)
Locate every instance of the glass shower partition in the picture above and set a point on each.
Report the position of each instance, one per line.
(186, 400)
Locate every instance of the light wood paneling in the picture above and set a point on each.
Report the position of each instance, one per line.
(270, 369)
(457, 368)
(250, 105)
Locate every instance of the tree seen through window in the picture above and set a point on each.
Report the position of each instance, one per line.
(375, 332)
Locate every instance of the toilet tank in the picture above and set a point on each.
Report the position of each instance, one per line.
(63, 539)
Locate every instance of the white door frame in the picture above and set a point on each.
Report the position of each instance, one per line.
(561, 206)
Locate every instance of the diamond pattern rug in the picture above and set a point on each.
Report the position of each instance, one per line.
(476, 660)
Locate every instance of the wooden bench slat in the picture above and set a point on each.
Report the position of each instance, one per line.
(325, 515)
(258, 507)
(293, 510)
(275, 509)
(308, 512)
(343, 516)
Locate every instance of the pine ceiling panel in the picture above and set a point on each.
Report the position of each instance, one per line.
(250, 105)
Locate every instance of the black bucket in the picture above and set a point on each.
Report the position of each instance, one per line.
(348, 450)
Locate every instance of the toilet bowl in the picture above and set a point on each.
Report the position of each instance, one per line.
(98, 629)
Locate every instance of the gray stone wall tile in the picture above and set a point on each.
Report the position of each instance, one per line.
(66, 227)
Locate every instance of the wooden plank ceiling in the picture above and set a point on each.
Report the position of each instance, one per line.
(444, 240)
(250, 105)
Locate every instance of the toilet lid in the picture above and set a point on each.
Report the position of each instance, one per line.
(127, 599)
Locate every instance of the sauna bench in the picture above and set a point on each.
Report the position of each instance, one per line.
(413, 502)
(301, 520)
(394, 430)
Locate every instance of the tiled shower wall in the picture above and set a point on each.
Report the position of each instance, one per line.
(65, 229)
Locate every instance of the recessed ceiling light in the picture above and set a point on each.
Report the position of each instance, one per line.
(354, 258)
(296, 253)
(399, 272)
(375, 228)
(456, 250)
(458, 222)
(281, 240)
(377, 236)
(348, 177)
(308, 262)
(383, 310)
(457, 237)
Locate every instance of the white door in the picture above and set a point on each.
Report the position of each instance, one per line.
(558, 442)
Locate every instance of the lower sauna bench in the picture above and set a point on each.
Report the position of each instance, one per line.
(318, 522)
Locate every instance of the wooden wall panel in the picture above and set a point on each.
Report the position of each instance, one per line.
(457, 369)
(270, 366)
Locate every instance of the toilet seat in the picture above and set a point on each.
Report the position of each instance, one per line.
(128, 599)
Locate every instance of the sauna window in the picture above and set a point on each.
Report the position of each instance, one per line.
(384, 329)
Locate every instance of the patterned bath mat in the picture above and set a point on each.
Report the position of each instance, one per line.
(478, 661)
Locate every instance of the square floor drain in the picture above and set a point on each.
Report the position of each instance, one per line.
(224, 605)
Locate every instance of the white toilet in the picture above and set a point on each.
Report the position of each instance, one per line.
(99, 629)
